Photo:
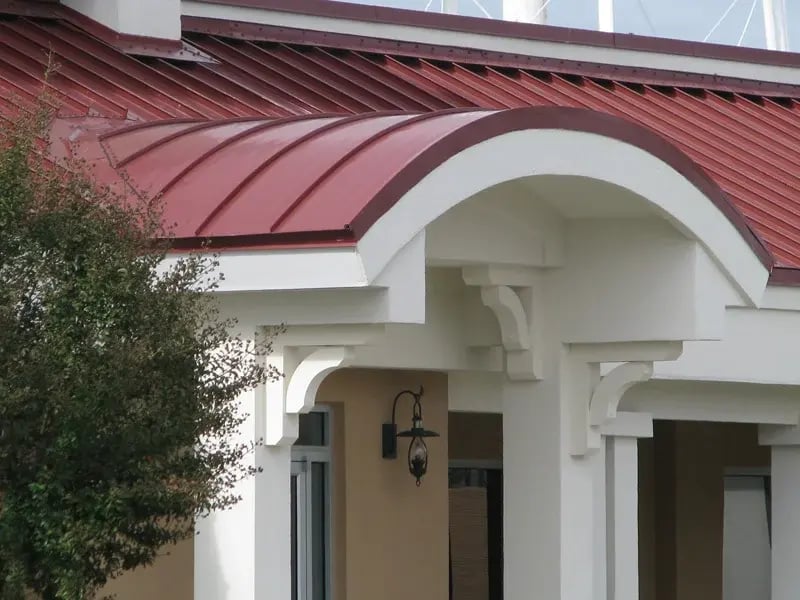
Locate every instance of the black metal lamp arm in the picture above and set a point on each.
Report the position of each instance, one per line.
(389, 430)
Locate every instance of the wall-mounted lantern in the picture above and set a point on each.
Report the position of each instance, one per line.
(417, 450)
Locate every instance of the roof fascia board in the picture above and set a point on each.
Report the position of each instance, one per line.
(509, 38)
(296, 269)
(644, 76)
(782, 298)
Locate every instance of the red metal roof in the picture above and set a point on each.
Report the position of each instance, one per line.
(330, 177)
(744, 140)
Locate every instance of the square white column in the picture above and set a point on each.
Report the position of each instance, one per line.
(244, 553)
(785, 522)
(623, 518)
(785, 505)
(554, 503)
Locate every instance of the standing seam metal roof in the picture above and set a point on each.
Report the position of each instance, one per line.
(745, 142)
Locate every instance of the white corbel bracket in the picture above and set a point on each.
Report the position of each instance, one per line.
(511, 295)
(304, 366)
(598, 417)
(607, 394)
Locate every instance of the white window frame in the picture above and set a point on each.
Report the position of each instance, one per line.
(302, 458)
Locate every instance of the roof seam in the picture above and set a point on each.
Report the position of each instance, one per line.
(343, 120)
(344, 158)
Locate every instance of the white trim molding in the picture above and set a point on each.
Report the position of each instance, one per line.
(534, 152)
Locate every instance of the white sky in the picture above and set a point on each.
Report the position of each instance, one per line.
(683, 19)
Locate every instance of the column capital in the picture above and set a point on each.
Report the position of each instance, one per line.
(779, 435)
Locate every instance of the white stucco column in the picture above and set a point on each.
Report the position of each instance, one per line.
(785, 491)
(623, 517)
(244, 553)
(554, 503)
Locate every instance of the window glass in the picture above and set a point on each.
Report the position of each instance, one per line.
(319, 529)
(294, 537)
(310, 510)
(313, 429)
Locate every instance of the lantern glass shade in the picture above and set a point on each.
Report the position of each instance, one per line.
(418, 450)
(418, 458)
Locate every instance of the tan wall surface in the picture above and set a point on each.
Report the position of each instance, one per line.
(395, 534)
(683, 545)
(171, 577)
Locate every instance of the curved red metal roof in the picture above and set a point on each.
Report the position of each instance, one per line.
(330, 177)
(742, 134)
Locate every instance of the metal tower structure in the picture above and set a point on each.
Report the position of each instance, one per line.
(528, 11)
(776, 31)
(776, 27)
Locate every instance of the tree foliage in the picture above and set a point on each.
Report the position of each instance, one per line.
(119, 381)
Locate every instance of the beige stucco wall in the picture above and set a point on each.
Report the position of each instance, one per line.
(681, 542)
(171, 577)
(390, 534)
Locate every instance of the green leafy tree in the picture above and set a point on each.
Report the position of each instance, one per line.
(119, 382)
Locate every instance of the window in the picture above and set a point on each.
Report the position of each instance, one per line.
(476, 530)
(310, 497)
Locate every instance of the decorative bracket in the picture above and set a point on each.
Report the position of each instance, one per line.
(304, 359)
(607, 394)
(598, 414)
(511, 294)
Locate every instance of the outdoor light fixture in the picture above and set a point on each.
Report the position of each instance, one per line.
(417, 450)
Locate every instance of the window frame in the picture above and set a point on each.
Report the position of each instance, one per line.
(302, 457)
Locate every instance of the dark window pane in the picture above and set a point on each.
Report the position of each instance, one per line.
(494, 499)
(294, 537)
(460, 477)
(313, 430)
(319, 540)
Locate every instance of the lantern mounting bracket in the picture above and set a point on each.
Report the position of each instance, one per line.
(389, 430)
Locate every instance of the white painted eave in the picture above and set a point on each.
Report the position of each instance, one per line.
(567, 50)
(284, 270)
